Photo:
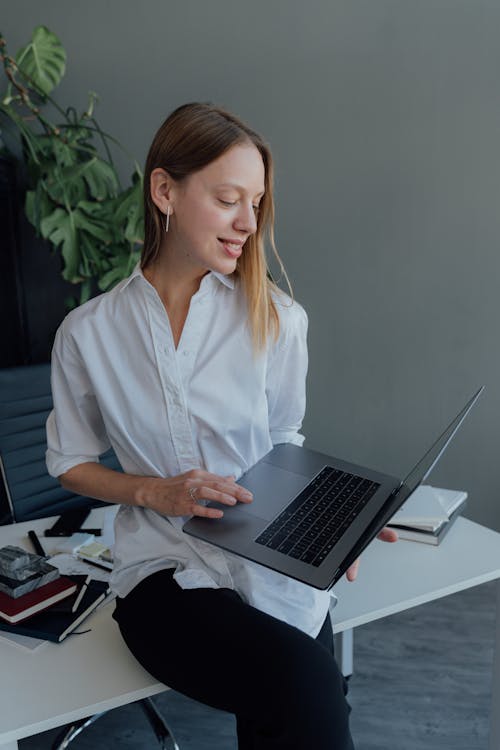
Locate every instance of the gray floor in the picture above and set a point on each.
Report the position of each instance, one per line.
(422, 679)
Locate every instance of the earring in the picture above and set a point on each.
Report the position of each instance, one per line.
(168, 219)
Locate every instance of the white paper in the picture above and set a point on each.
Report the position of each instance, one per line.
(70, 565)
(24, 642)
(73, 543)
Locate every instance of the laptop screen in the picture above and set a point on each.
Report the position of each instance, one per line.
(424, 467)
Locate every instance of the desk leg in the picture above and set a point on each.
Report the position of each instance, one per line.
(343, 652)
(495, 690)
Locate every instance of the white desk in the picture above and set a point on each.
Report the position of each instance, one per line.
(396, 577)
(89, 673)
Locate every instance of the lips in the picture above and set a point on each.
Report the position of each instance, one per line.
(233, 249)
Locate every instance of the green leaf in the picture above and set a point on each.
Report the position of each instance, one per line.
(60, 227)
(65, 154)
(101, 178)
(71, 184)
(122, 267)
(65, 186)
(43, 60)
(92, 250)
(85, 291)
(37, 206)
(30, 140)
(130, 213)
(90, 221)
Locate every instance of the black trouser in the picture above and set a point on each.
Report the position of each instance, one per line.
(284, 687)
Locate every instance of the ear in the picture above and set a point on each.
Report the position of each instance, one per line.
(161, 187)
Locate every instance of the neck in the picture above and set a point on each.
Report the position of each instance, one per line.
(175, 283)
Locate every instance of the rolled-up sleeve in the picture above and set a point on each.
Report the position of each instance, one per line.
(75, 428)
(286, 379)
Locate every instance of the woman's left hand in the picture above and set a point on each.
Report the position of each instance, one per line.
(386, 535)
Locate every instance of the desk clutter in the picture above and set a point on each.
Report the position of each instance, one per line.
(96, 553)
(36, 600)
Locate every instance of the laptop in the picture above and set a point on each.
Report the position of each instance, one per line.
(312, 515)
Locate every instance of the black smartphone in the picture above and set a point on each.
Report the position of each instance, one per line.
(68, 522)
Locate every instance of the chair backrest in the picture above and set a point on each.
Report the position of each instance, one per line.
(29, 491)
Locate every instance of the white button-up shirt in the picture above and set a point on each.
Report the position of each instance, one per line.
(118, 380)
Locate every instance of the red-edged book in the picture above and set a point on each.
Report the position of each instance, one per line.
(16, 610)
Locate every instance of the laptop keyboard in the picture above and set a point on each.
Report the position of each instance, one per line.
(309, 527)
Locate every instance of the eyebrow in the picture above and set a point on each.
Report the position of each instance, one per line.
(238, 187)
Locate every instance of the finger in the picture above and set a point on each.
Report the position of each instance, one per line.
(217, 495)
(352, 571)
(232, 489)
(244, 495)
(237, 491)
(226, 484)
(204, 512)
(388, 535)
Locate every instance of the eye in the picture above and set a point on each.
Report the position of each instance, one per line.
(256, 210)
(227, 203)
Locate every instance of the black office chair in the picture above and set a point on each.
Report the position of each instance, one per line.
(28, 491)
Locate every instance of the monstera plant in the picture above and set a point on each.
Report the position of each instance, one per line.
(74, 198)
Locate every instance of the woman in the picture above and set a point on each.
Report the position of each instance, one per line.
(191, 369)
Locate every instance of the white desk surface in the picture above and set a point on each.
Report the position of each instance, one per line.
(59, 683)
(395, 577)
(62, 682)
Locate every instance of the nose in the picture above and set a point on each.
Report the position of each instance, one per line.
(246, 220)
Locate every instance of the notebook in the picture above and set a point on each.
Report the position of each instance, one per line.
(54, 625)
(15, 610)
(312, 514)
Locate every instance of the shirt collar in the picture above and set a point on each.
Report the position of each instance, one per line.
(228, 281)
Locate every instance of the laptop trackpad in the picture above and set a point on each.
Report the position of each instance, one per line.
(273, 489)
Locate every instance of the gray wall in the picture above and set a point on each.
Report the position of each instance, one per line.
(384, 118)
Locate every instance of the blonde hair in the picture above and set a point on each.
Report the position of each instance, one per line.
(193, 136)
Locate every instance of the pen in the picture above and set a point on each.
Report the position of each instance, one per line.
(102, 565)
(79, 597)
(35, 541)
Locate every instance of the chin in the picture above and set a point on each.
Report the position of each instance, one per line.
(226, 266)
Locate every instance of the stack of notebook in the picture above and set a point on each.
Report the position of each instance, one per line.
(36, 600)
(428, 514)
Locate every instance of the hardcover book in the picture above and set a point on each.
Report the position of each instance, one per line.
(16, 610)
(429, 530)
(428, 508)
(56, 626)
(431, 537)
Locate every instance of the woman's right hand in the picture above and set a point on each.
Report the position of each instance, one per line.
(181, 495)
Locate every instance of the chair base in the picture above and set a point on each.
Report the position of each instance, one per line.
(163, 734)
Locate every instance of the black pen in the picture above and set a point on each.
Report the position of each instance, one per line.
(35, 541)
(103, 565)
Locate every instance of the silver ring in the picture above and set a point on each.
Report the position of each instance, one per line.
(191, 491)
